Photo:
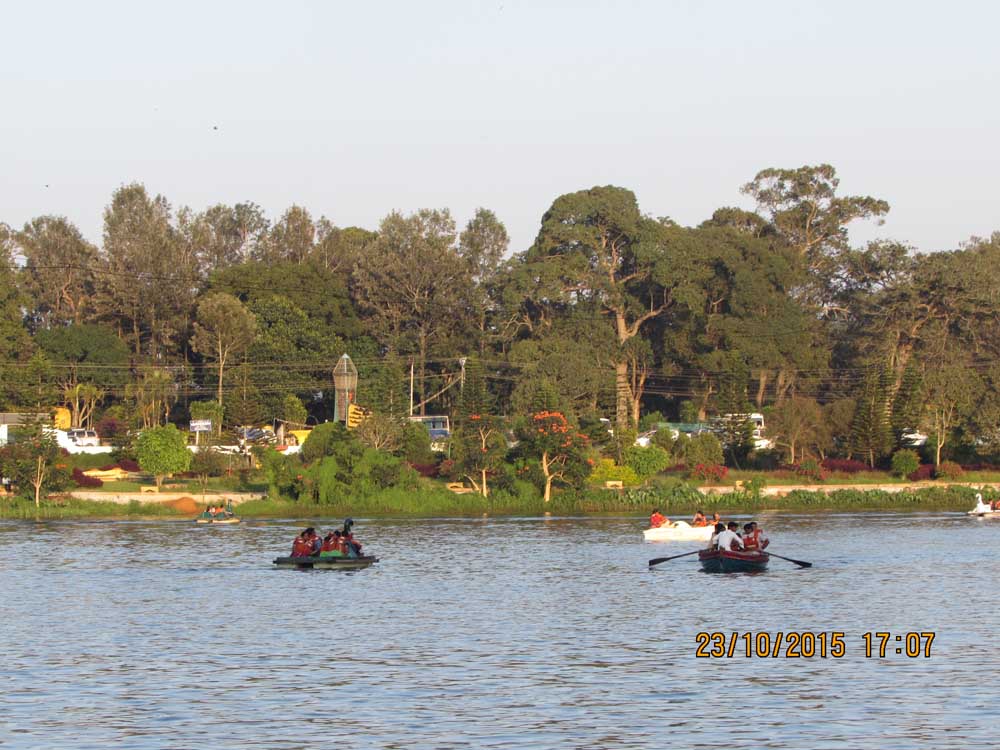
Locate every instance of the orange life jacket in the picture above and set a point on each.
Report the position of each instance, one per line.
(698, 522)
(751, 540)
(302, 547)
(657, 520)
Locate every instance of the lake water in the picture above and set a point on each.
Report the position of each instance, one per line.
(492, 633)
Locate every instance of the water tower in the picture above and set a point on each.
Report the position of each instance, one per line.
(345, 387)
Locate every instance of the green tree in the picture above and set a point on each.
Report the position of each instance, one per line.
(90, 360)
(414, 288)
(561, 451)
(162, 451)
(871, 436)
(224, 329)
(483, 244)
(293, 411)
(595, 246)
(58, 272)
(952, 391)
(291, 238)
(795, 425)
(31, 462)
(478, 444)
(211, 410)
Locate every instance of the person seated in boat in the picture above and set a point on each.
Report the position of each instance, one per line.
(699, 519)
(713, 542)
(306, 544)
(352, 547)
(727, 539)
(333, 545)
(753, 538)
(657, 519)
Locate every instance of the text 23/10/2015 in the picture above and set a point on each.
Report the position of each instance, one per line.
(809, 644)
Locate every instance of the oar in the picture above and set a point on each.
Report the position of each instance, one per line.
(658, 560)
(800, 563)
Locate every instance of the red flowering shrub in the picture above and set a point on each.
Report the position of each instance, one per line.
(428, 470)
(922, 474)
(82, 480)
(709, 472)
(948, 470)
(128, 464)
(845, 465)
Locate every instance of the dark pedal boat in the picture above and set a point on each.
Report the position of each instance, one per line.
(719, 561)
(325, 563)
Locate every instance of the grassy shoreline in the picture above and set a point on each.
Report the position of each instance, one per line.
(677, 502)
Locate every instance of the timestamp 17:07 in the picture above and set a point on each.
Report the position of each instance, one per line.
(808, 644)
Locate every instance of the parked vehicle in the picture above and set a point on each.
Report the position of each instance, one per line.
(84, 437)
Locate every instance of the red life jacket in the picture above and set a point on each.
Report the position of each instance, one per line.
(751, 539)
(302, 547)
(657, 520)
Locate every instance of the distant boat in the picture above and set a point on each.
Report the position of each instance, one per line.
(721, 561)
(325, 563)
(679, 531)
(212, 519)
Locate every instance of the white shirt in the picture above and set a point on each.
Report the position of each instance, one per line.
(723, 540)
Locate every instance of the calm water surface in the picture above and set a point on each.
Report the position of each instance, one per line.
(512, 633)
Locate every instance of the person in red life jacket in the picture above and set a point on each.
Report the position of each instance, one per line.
(657, 520)
(333, 545)
(753, 538)
(699, 519)
(306, 543)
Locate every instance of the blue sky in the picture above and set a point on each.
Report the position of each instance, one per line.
(355, 109)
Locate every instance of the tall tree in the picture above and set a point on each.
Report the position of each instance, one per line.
(292, 237)
(223, 236)
(224, 328)
(594, 245)
(871, 436)
(58, 272)
(147, 280)
(414, 288)
(952, 390)
(483, 244)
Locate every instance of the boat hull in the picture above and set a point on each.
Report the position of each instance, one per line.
(716, 561)
(679, 531)
(325, 563)
(217, 520)
(984, 513)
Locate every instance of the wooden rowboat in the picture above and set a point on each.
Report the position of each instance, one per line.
(720, 561)
(325, 563)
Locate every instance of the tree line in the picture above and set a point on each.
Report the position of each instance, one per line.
(610, 312)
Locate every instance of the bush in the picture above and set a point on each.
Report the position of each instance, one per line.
(703, 449)
(948, 470)
(128, 464)
(607, 470)
(811, 470)
(905, 462)
(923, 473)
(82, 480)
(709, 472)
(649, 420)
(845, 465)
(646, 462)
(415, 444)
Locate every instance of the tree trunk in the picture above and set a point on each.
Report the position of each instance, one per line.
(548, 476)
(486, 490)
(39, 476)
(222, 365)
(761, 386)
(937, 453)
(622, 396)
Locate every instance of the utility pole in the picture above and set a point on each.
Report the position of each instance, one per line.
(461, 383)
(411, 387)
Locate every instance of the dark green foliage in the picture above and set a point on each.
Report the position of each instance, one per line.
(646, 461)
(871, 437)
(905, 462)
(704, 448)
(415, 444)
(331, 439)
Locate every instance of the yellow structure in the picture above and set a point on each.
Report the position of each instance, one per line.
(61, 419)
(356, 415)
(298, 435)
